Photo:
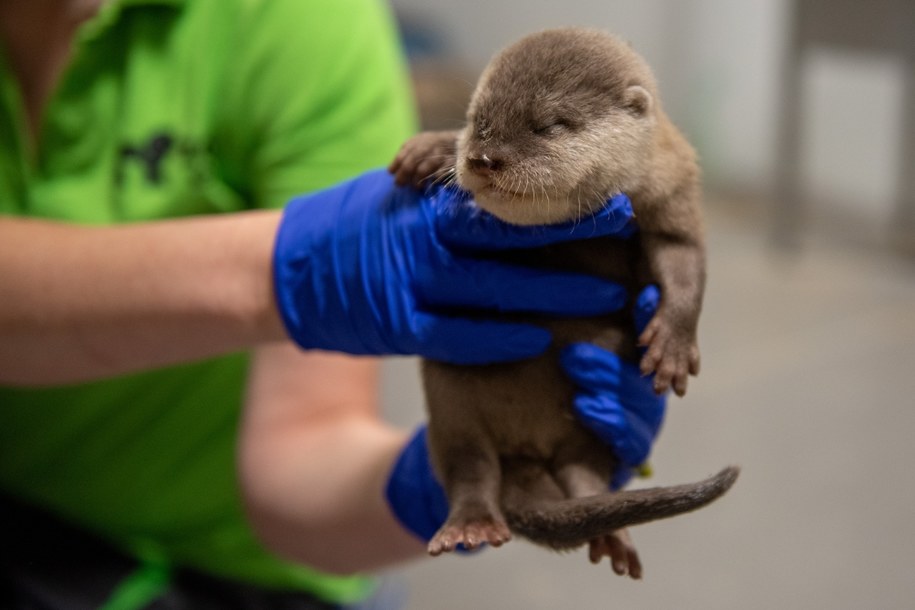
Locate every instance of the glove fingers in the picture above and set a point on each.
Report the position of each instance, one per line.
(629, 438)
(483, 284)
(601, 370)
(603, 417)
(595, 368)
(461, 224)
(638, 442)
(646, 305)
(628, 430)
(467, 341)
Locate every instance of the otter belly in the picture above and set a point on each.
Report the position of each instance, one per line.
(522, 409)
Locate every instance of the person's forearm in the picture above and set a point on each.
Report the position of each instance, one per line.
(314, 460)
(316, 495)
(84, 303)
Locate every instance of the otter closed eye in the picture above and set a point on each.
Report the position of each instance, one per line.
(551, 129)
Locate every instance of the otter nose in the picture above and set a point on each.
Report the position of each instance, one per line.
(484, 165)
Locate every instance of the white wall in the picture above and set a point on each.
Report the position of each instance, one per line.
(850, 149)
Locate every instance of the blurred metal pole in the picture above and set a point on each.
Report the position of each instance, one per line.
(904, 221)
(787, 211)
(883, 26)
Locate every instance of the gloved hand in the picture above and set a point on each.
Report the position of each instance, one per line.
(614, 400)
(368, 268)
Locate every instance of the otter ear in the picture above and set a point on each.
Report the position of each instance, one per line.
(637, 100)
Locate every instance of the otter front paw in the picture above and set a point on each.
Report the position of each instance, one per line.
(672, 355)
(624, 558)
(426, 156)
(470, 533)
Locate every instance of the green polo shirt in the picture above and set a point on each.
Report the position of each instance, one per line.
(173, 108)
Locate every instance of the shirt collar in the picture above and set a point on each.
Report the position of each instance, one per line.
(111, 10)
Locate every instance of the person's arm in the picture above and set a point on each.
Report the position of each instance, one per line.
(360, 268)
(81, 303)
(314, 461)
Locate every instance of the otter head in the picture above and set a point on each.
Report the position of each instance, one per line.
(559, 121)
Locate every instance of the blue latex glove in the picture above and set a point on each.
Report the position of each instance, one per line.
(370, 268)
(614, 400)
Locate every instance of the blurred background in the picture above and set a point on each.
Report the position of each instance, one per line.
(803, 113)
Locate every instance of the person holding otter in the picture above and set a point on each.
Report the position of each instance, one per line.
(182, 420)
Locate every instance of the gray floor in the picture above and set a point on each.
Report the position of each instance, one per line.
(808, 383)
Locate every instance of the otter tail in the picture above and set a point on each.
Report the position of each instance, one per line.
(570, 523)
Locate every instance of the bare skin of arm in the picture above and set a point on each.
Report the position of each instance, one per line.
(314, 460)
(85, 303)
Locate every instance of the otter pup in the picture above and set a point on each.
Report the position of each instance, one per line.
(559, 122)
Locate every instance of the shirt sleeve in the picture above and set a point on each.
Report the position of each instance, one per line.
(318, 93)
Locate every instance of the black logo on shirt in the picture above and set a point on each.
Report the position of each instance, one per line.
(149, 155)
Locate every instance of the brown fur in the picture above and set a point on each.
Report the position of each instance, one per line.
(559, 122)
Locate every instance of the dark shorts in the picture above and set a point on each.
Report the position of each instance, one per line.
(47, 564)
